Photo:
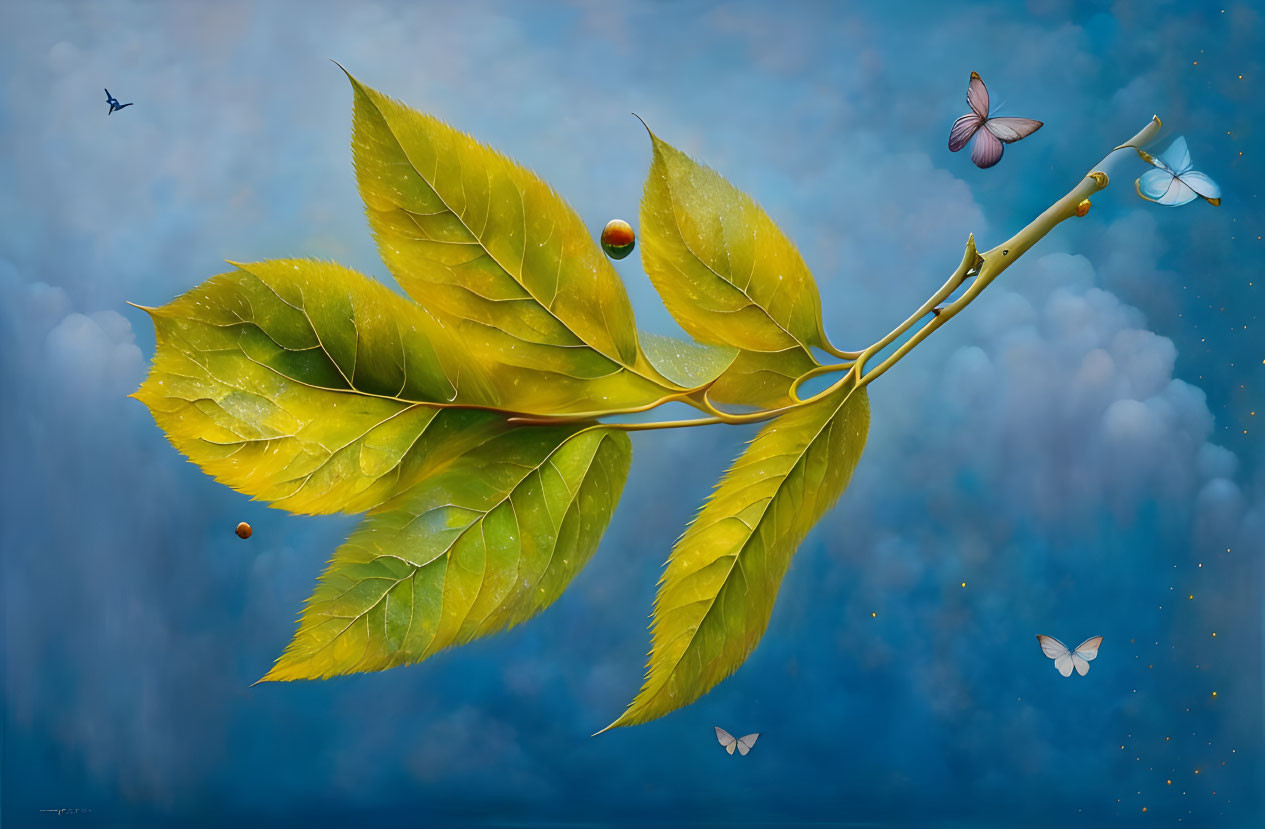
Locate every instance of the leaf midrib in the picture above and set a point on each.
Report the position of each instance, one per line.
(360, 392)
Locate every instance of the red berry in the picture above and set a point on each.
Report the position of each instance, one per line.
(243, 530)
(618, 239)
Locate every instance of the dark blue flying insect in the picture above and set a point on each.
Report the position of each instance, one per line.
(114, 103)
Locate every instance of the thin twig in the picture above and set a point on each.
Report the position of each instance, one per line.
(1001, 257)
(984, 267)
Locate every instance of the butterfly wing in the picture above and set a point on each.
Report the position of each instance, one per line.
(725, 738)
(1153, 185)
(747, 743)
(1051, 647)
(1162, 187)
(1202, 185)
(1010, 130)
(1080, 664)
(1057, 651)
(986, 149)
(962, 130)
(1177, 156)
(1088, 650)
(977, 96)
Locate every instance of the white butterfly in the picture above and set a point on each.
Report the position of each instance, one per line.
(1173, 182)
(1065, 659)
(743, 745)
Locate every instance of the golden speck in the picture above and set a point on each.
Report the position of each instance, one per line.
(964, 584)
(1240, 77)
(1191, 596)
(875, 616)
(1166, 739)
(1214, 693)
(1144, 808)
(1169, 782)
(1196, 771)
(1214, 634)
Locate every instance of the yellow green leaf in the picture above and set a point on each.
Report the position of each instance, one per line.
(492, 251)
(748, 378)
(307, 385)
(721, 580)
(486, 544)
(726, 272)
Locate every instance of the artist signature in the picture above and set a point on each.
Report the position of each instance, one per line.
(67, 811)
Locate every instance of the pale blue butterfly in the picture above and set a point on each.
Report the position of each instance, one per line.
(1174, 181)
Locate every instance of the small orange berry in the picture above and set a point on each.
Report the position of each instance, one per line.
(243, 530)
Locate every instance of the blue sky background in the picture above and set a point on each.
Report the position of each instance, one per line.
(1079, 446)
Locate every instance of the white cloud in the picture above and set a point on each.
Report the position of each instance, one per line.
(94, 349)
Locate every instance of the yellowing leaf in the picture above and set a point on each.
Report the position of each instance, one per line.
(724, 269)
(491, 250)
(717, 593)
(306, 384)
(488, 543)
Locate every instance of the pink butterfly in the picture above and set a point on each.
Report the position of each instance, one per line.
(989, 140)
